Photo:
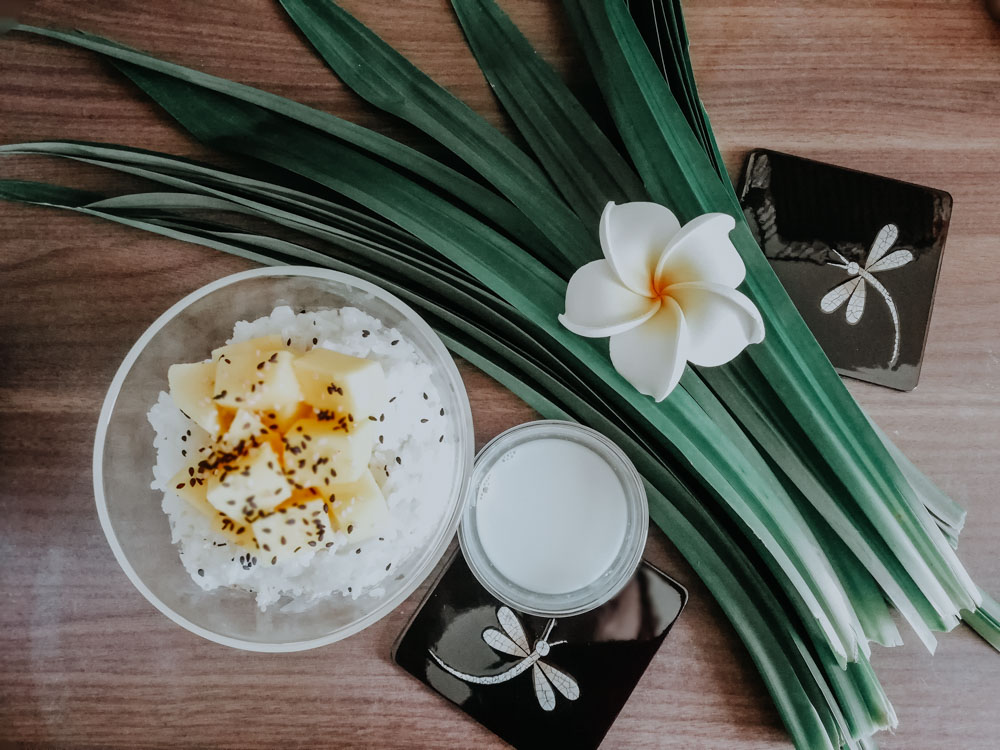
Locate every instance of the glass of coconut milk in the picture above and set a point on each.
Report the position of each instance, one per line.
(556, 520)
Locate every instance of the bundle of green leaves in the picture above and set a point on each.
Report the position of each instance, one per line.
(802, 519)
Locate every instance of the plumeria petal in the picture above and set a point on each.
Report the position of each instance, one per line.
(652, 356)
(633, 236)
(598, 304)
(702, 251)
(721, 322)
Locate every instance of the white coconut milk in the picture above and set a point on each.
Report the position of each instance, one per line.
(551, 515)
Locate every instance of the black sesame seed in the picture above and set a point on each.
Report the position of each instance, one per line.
(315, 341)
(357, 551)
(388, 566)
(274, 560)
(425, 397)
(350, 528)
(399, 460)
(365, 334)
(394, 342)
(201, 572)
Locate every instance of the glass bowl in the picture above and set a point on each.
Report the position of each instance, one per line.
(130, 511)
(628, 556)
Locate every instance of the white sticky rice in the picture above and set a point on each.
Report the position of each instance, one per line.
(416, 486)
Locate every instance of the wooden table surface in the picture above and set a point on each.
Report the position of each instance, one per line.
(901, 88)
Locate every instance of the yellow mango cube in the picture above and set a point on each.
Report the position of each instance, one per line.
(341, 384)
(191, 388)
(302, 522)
(256, 374)
(246, 428)
(249, 485)
(190, 484)
(358, 508)
(318, 452)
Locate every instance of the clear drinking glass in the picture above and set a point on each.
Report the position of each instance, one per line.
(628, 556)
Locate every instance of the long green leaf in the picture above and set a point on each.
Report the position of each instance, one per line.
(494, 208)
(383, 77)
(985, 619)
(579, 157)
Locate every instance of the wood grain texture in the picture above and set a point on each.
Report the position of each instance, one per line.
(902, 88)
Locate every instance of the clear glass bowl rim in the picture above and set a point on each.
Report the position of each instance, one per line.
(440, 542)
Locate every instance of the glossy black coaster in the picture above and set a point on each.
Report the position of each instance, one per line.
(537, 683)
(858, 254)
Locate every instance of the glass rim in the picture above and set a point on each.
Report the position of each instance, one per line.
(618, 573)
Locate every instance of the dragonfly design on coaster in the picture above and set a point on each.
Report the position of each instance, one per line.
(853, 291)
(514, 641)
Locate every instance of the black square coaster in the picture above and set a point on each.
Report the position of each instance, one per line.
(858, 254)
(535, 682)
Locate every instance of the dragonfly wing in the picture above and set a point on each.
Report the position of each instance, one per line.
(838, 295)
(885, 239)
(543, 690)
(502, 643)
(856, 304)
(513, 628)
(892, 260)
(562, 681)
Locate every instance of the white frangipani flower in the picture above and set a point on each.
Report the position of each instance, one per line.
(665, 294)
